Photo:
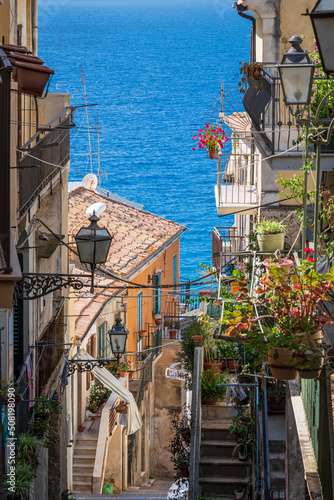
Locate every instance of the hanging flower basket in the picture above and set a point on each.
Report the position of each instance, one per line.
(282, 367)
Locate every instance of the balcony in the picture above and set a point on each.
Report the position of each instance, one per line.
(227, 240)
(237, 176)
(274, 125)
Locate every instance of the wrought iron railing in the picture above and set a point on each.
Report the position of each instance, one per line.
(227, 240)
(275, 122)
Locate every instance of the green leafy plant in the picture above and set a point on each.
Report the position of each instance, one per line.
(24, 477)
(240, 489)
(187, 347)
(269, 226)
(98, 395)
(180, 443)
(209, 385)
(251, 76)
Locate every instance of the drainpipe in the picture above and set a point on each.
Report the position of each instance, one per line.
(240, 10)
(34, 19)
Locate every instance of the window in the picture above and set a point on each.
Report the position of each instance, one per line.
(140, 311)
(156, 294)
(175, 274)
(102, 341)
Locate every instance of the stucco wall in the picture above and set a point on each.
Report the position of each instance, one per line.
(167, 397)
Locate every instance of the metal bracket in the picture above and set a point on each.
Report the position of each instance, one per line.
(85, 365)
(34, 285)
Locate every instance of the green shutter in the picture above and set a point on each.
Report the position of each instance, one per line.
(175, 273)
(156, 294)
(140, 311)
(101, 346)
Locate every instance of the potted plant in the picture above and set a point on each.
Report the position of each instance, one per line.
(276, 396)
(239, 492)
(229, 353)
(211, 392)
(123, 367)
(244, 445)
(157, 319)
(283, 263)
(270, 235)
(251, 75)
(186, 355)
(172, 333)
(212, 138)
(142, 333)
(98, 395)
(24, 478)
(293, 319)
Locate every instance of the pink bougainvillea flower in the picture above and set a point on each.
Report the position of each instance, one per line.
(194, 149)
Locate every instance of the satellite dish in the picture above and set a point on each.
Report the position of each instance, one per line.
(90, 182)
(98, 208)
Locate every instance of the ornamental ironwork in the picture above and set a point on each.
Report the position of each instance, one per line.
(85, 365)
(34, 285)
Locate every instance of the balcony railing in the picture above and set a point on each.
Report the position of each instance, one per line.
(226, 240)
(237, 175)
(274, 121)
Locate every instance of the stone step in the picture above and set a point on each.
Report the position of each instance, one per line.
(83, 459)
(216, 430)
(277, 479)
(277, 461)
(80, 487)
(82, 477)
(86, 444)
(219, 486)
(85, 451)
(217, 411)
(217, 448)
(276, 446)
(224, 467)
(84, 468)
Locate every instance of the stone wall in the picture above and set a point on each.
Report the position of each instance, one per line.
(292, 223)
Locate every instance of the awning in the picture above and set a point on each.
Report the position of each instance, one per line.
(134, 420)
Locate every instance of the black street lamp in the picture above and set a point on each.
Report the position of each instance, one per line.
(296, 73)
(118, 337)
(93, 243)
(322, 18)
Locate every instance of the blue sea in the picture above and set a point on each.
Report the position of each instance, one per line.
(153, 67)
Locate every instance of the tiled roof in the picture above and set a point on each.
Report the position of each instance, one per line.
(137, 235)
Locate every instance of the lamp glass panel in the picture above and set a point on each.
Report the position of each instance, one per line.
(296, 83)
(85, 245)
(324, 5)
(103, 241)
(324, 31)
(118, 341)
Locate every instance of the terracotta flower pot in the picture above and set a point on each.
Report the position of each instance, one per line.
(282, 367)
(123, 374)
(141, 333)
(213, 154)
(271, 242)
(197, 339)
(283, 263)
(210, 401)
(211, 366)
(172, 334)
(158, 321)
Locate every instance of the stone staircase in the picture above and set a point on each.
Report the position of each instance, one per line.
(276, 431)
(219, 473)
(83, 460)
